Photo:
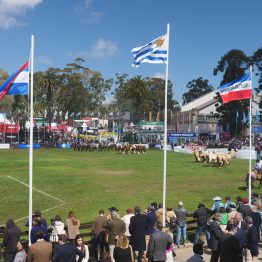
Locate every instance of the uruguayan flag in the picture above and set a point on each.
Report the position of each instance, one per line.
(154, 52)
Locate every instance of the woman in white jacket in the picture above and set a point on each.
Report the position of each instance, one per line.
(79, 242)
(58, 228)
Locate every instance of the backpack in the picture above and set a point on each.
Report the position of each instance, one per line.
(172, 223)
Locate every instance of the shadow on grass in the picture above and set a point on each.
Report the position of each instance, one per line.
(243, 188)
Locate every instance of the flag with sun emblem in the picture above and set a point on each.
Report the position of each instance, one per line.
(154, 52)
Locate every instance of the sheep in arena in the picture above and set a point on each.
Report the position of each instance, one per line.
(212, 158)
(203, 155)
(196, 154)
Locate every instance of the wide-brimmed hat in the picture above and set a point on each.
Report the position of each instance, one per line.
(112, 209)
(217, 198)
(180, 203)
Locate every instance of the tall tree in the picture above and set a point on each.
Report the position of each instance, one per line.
(48, 84)
(233, 65)
(256, 60)
(197, 87)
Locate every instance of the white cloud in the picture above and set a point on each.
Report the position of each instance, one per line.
(87, 13)
(159, 75)
(11, 10)
(103, 48)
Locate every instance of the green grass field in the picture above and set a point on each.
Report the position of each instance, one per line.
(84, 182)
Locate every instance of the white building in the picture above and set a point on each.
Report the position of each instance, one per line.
(199, 114)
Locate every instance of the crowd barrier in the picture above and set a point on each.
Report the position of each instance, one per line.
(4, 146)
(25, 146)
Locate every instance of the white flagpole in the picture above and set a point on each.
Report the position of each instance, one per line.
(165, 134)
(250, 142)
(31, 140)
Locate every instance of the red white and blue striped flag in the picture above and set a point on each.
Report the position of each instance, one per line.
(236, 90)
(17, 83)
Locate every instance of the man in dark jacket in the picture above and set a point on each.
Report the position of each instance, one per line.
(11, 236)
(181, 214)
(137, 229)
(158, 243)
(98, 232)
(201, 214)
(215, 235)
(252, 243)
(229, 246)
(66, 252)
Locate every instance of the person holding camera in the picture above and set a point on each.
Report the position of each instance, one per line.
(57, 228)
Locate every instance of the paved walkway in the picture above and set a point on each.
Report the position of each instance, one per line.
(183, 253)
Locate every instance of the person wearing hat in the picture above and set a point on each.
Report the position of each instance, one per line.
(228, 201)
(201, 214)
(181, 216)
(217, 204)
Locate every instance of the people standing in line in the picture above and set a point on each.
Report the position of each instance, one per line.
(126, 218)
(229, 246)
(215, 235)
(201, 214)
(98, 232)
(123, 251)
(198, 252)
(251, 250)
(137, 229)
(41, 250)
(79, 242)
(66, 252)
(21, 254)
(181, 216)
(11, 237)
(158, 243)
(115, 228)
(72, 226)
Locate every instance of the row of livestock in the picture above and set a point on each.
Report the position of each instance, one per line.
(100, 146)
(215, 158)
(93, 146)
(131, 149)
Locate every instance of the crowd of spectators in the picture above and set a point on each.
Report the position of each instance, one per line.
(232, 232)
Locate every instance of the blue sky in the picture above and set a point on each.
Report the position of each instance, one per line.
(105, 31)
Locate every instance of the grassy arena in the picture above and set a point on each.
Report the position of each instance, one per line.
(88, 181)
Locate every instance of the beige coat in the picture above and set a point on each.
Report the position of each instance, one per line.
(41, 251)
(72, 230)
